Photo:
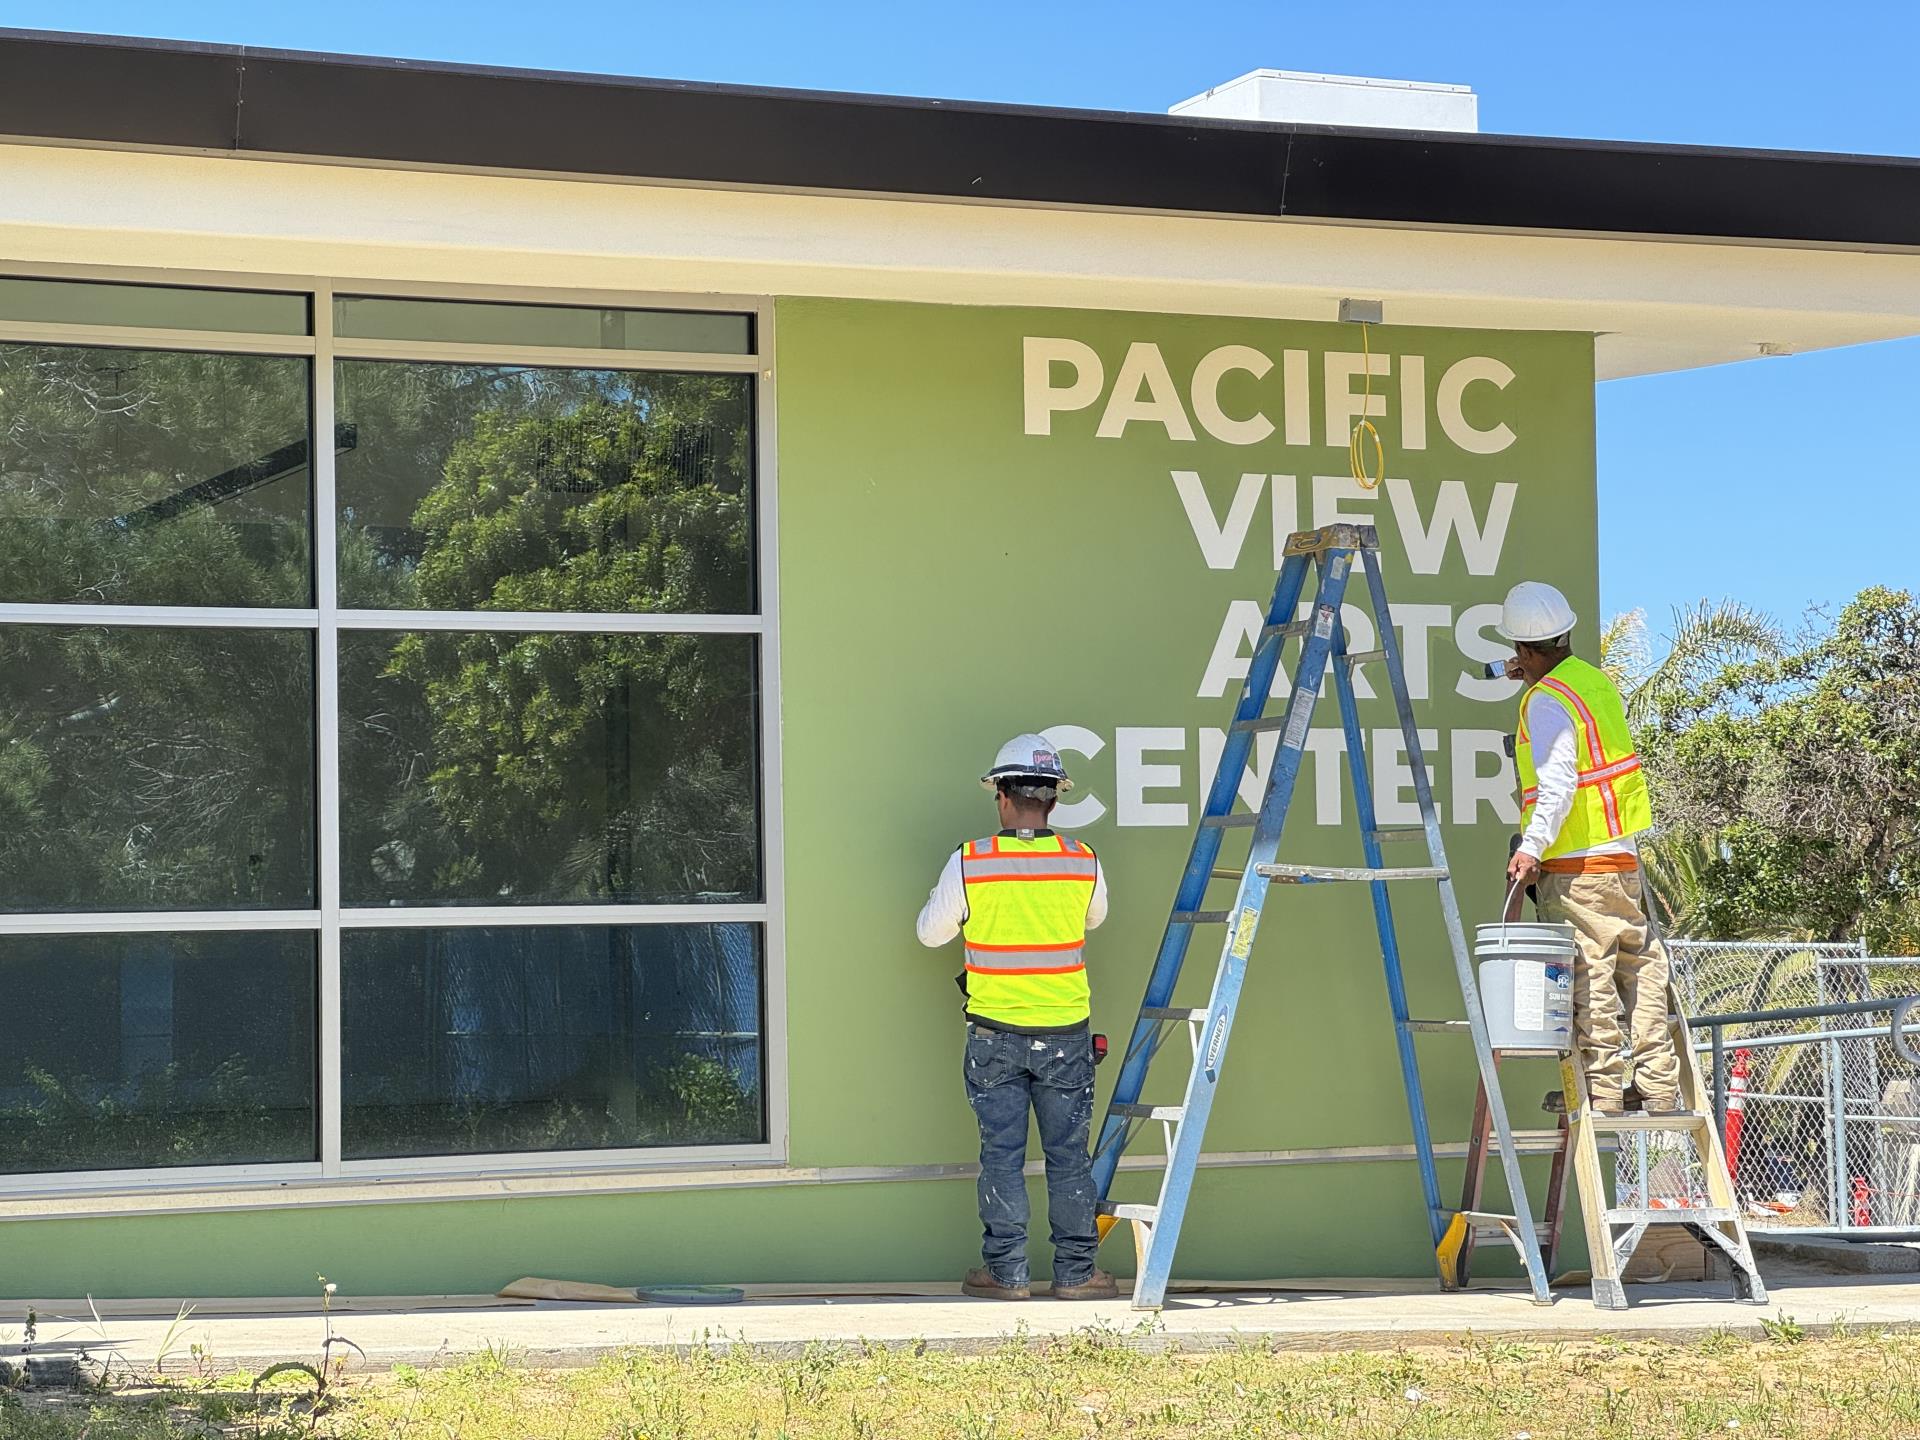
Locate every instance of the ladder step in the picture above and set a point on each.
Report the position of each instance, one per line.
(1281, 632)
(1485, 1220)
(1258, 724)
(1148, 1213)
(1161, 1012)
(1149, 1112)
(1201, 917)
(1461, 1027)
(1230, 822)
(1356, 658)
(1675, 1215)
(1615, 1124)
(1223, 872)
(1389, 833)
(1318, 874)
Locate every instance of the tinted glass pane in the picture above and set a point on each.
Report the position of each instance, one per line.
(571, 327)
(148, 477)
(510, 488)
(533, 768)
(128, 1051)
(155, 769)
(152, 307)
(461, 1042)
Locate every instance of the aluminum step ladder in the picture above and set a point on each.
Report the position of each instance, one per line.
(1332, 552)
(1680, 1154)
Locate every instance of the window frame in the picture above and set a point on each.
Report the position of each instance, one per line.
(327, 618)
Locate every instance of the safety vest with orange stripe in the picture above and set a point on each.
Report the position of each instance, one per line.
(1026, 929)
(1610, 801)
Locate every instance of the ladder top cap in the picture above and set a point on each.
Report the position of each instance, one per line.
(1332, 537)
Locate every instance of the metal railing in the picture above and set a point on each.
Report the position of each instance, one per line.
(1826, 1103)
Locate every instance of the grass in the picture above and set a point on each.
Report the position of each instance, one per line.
(1094, 1384)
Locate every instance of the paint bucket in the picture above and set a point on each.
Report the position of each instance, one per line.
(1526, 984)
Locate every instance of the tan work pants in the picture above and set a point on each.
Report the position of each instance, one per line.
(1622, 970)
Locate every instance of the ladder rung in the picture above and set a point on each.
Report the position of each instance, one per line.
(1433, 1027)
(1222, 872)
(1161, 1012)
(1363, 657)
(1485, 1220)
(1613, 1124)
(1281, 632)
(1201, 917)
(1311, 874)
(1258, 724)
(1675, 1215)
(1400, 832)
(1230, 822)
(1149, 1112)
(1149, 1213)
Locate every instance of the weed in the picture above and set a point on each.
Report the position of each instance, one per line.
(1783, 1329)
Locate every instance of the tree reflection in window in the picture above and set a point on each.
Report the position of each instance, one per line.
(497, 767)
(151, 477)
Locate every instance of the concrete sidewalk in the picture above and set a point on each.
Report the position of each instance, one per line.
(557, 1334)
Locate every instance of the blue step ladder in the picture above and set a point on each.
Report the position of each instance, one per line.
(1333, 552)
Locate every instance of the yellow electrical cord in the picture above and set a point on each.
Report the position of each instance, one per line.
(1356, 446)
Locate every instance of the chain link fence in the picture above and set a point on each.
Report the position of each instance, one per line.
(1822, 1112)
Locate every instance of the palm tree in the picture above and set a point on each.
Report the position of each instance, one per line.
(1706, 638)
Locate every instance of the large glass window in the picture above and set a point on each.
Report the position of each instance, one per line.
(480, 1040)
(520, 488)
(153, 477)
(127, 1051)
(155, 769)
(500, 768)
(483, 799)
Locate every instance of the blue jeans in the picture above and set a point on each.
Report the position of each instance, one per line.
(1052, 1075)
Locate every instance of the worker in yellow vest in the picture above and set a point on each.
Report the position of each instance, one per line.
(1583, 800)
(1023, 900)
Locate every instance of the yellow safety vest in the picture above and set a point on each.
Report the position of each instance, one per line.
(1611, 799)
(1026, 929)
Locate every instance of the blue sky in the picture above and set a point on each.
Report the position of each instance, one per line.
(1702, 475)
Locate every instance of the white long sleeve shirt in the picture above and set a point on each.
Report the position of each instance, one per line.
(946, 908)
(1556, 759)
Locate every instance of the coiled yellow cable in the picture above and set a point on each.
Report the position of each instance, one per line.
(1364, 427)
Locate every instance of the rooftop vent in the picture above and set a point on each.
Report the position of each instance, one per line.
(1299, 98)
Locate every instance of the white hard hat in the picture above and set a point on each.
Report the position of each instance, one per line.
(1028, 757)
(1534, 612)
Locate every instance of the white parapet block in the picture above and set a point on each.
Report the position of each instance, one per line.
(1302, 98)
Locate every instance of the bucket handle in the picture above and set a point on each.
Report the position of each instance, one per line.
(1506, 908)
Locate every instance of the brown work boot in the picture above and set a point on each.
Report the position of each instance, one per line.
(1607, 1104)
(1097, 1286)
(981, 1285)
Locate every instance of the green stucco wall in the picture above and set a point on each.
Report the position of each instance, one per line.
(948, 579)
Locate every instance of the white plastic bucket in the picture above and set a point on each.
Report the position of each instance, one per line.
(1526, 984)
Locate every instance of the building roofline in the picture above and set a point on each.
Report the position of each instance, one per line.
(113, 91)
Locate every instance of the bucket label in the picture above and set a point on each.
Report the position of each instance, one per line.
(1529, 995)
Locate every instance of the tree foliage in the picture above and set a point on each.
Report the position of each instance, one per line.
(566, 766)
(1788, 782)
(148, 767)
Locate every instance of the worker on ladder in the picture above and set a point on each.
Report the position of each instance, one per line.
(1024, 899)
(1583, 800)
